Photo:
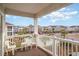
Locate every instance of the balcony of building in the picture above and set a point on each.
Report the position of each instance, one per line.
(35, 44)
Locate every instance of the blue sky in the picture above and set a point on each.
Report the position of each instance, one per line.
(67, 16)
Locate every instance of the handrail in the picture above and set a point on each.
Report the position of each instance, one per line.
(18, 36)
(66, 40)
(65, 49)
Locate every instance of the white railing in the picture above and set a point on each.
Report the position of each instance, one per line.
(60, 46)
(19, 39)
(65, 47)
(24, 35)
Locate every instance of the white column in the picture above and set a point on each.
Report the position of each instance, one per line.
(36, 29)
(35, 26)
(4, 35)
(3, 27)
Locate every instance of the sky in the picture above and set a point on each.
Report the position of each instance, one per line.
(67, 16)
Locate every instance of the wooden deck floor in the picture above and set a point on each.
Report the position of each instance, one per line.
(31, 52)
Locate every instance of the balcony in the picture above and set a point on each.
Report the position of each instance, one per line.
(44, 46)
(39, 45)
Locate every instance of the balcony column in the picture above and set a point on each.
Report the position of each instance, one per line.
(35, 26)
(3, 27)
(36, 30)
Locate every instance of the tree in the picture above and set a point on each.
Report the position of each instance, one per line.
(46, 30)
(22, 31)
(53, 30)
(63, 33)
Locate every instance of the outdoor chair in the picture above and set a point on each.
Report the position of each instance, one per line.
(27, 42)
(23, 44)
(9, 46)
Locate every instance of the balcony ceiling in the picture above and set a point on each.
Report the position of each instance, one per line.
(32, 9)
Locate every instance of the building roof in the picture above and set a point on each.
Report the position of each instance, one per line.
(8, 23)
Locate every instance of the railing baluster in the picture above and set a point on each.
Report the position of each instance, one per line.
(68, 48)
(64, 48)
(54, 48)
(72, 49)
(59, 49)
(76, 49)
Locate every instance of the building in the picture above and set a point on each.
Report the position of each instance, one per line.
(31, 29)
(9, 29)
(73, 28)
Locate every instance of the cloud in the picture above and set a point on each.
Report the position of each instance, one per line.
(55, 16)
(10, 16)
(45, 16)
(67, 9)
(53, 21)
(63, 15)
(7, 16)
(62, 9)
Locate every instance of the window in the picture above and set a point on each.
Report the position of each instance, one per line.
(9, 33)
(9, 28)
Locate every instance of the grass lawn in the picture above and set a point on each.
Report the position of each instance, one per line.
(73, 36)
(18, 45)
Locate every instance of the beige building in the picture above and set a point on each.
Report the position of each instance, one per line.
(9, 29)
